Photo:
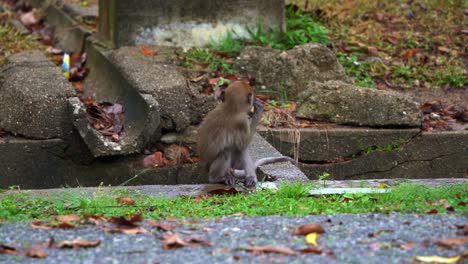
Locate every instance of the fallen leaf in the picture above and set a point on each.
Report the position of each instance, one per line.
(311, 250)
(164, 227)
(125, 201)
(407, 245)
(5, 249)
(382, 186)
(432, 211)
(437, 259)
(126, 230)
(173, 241)
(372, 50)
(154, 160)
(224, 191)
(38, 224)
(147, 51)
(29, 18)
(269, 249)
(379, 16)
(454, 241)
(35, 251)
(309, 228)
(195, 241)
(443, 49)
(312, 239)
(380, 232)
(463, 230)
(77, 243)
(410, 53)
(68, 218)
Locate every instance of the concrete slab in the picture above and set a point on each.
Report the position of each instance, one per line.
(282, 171)
(171, 191)
(142, 112)
(33, 97)
(185, 23)
(38, 164)
(334, 143)
(346, 191)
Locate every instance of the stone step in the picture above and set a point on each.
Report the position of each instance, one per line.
(348, 153)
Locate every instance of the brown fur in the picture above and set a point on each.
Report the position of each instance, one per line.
(225, 134)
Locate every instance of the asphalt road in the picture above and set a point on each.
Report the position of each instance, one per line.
(369, 238)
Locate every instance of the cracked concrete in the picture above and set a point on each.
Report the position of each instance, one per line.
(431, 155)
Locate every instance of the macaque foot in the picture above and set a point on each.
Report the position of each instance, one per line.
(250, 182)
(230, 178)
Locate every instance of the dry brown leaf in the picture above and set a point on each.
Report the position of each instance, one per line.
(380, 232)
(225, 191)
(410, 53)
(35, 251)
(29, 18)
(127, 231)
(408, 245)
(443, 49)
(313, 250)
(173, 241)
(432, 211)
(309, 228)
(68, 218)
(373, 50)
(77, 243)
(454, 241)
(125, 201)
(38, 224)
(195, 241)
(147, 51)
(270, 249)
(463, 230)
(154, 160)
(164, 227)
(5, 249)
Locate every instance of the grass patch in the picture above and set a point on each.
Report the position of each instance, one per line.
(290, 199)
(13, 41)
(205, 59)
(301, 29)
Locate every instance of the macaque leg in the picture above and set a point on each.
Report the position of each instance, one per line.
(219, 168)
(249, 168)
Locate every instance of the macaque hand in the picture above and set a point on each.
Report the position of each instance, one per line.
(258, 108)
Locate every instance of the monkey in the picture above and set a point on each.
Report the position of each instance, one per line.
(225, 134)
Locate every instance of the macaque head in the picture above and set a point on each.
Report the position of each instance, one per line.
(239, 95)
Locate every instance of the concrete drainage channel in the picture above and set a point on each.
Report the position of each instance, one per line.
(84, 158)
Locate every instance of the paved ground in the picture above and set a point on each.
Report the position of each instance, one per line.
(347, 236)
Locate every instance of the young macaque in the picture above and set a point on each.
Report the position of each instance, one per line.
(225, 134)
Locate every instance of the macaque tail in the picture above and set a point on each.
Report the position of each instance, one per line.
(264, 161)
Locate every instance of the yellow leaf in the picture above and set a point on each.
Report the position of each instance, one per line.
(382, 186)
(437, 259)
(312, 239)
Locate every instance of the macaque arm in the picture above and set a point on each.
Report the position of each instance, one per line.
(257, 114)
